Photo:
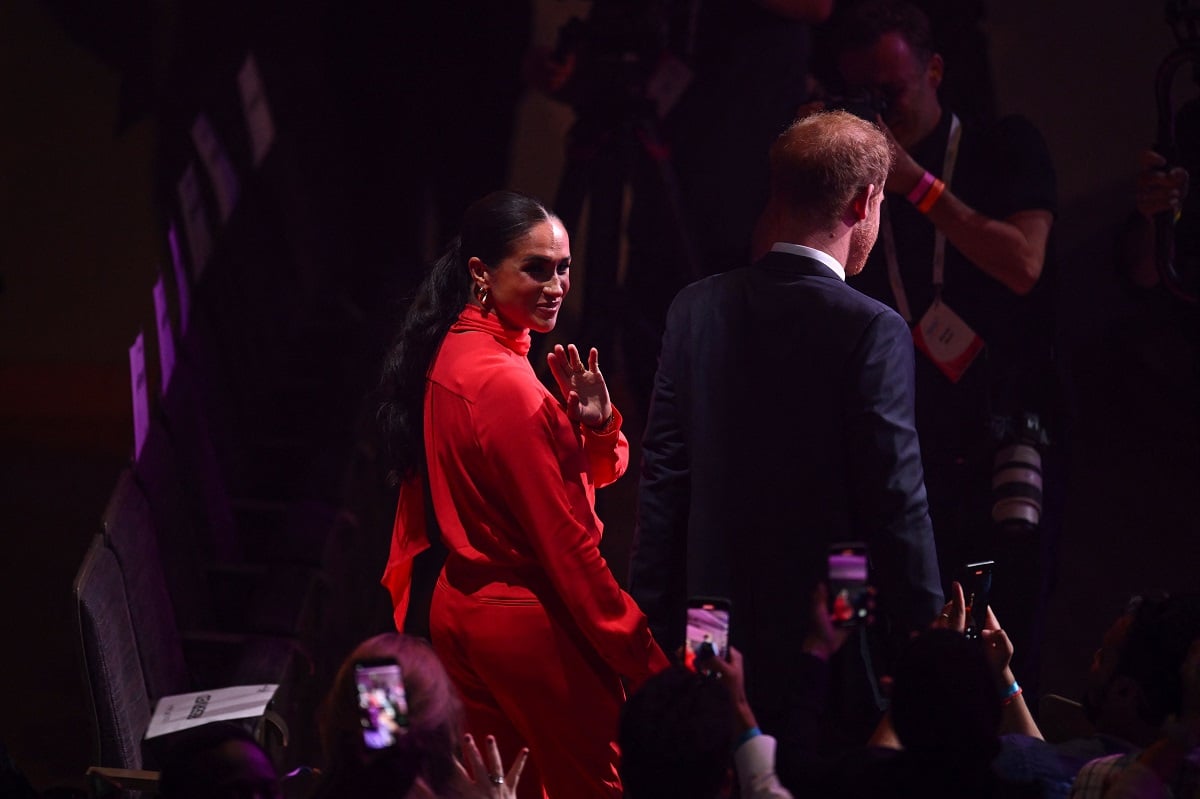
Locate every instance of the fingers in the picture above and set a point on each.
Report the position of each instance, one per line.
(991, 622)
(474, 759)
(1149, 159)
(495, 764)
(954, 612)
(593, 359)
(557, 360)
(514, 774)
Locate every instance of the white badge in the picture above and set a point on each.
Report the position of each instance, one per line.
(948, 341)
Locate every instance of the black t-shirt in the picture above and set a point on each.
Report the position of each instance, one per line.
(1001, 170)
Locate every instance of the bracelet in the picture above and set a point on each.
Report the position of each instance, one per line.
(1009, 700)
(605, 426)
(931, 197)
(1011, 690)
(753, 732)
(921, 188)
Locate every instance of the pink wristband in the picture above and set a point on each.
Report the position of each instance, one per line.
(915, 196)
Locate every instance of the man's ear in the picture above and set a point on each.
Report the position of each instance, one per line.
(936, 71)
(861, 204)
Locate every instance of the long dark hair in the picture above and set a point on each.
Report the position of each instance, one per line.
(489, 228)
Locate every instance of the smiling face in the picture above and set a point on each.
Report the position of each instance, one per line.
(889, 69)
(526, 288)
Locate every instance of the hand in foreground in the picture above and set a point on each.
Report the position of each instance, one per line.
(1159, 189)
(954, 613)
(490, 782)
(732, 673)
(823, 638)
(582, 387)
(998, 648)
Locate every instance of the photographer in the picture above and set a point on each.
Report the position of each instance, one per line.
(962, 256)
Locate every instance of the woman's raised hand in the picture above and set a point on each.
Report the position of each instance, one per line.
(490, 781)
(582, 385)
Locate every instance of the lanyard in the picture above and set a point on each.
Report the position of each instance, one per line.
(939, 238)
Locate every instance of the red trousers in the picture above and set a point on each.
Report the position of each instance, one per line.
(527, 676)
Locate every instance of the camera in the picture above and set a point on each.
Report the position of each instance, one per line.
(1017, 471)
(865, 105)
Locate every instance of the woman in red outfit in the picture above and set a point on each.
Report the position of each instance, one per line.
(526, 615)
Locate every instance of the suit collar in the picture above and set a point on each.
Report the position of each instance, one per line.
(809, 252)
(787, 263)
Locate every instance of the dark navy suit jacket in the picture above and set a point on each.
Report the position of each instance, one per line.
(781, 421)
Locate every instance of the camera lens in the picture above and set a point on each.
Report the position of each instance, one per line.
(1017, 486)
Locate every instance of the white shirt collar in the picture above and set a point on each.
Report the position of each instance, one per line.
(809, 252)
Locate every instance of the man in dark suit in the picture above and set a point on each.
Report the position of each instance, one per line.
(782, 421)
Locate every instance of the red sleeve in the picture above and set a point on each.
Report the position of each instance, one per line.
(542, 472)
(607, 453)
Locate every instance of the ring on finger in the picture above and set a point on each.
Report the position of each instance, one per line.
(496, 779)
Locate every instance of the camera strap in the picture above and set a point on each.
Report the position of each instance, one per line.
(939, 238)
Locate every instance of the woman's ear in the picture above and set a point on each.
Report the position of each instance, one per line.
(478, 270)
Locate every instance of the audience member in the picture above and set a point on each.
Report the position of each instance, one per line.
(1146, 689)
(965, 241)
(421, 763)
(526, 615)
(951, 698)
(217, 761)
(678, 730)
(781, 422)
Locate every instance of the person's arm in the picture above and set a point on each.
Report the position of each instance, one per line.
(1014, 712)
(538, 470)
(1158, 191)
(888, 503)
(754, 752)
(1011, 249)
(657, 569)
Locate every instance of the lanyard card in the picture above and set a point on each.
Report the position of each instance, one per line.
(948, 341)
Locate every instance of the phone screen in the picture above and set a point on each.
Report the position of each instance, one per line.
(382, 705)
(849, 590)
(707, 631)
(977, 585)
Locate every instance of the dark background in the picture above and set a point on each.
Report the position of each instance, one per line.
(81, 243)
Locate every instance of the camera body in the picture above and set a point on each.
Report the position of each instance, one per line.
(865, 105)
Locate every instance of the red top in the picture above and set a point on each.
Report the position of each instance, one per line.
(513, 483)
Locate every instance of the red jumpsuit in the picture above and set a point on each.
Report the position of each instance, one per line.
(526, 615)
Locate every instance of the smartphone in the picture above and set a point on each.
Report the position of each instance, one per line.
(976, 583)
(382, 704)
(707, 633)
(849, 587)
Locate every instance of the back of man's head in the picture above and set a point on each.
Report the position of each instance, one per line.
(676, 736)
(217, 761)
(822, 161)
